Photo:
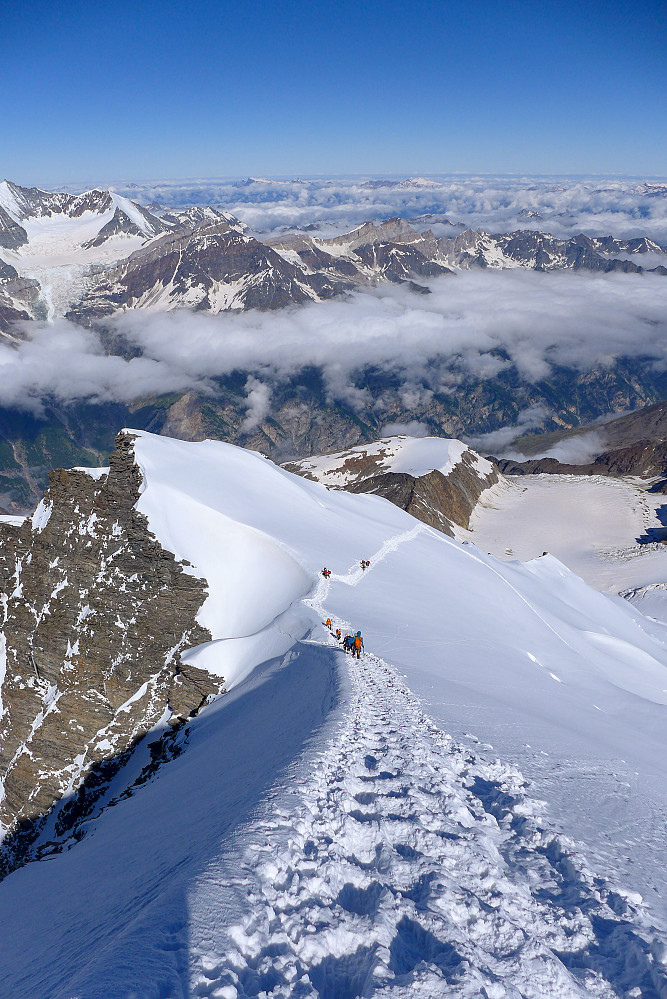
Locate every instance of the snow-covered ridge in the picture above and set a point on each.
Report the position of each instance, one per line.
(320, 829)
(415, 456)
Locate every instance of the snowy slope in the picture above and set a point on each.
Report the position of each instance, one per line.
(321, 835)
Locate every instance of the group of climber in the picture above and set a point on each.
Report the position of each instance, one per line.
(351, 643)
(365, 564)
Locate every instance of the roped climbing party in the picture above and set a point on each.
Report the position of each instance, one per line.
(352, 643)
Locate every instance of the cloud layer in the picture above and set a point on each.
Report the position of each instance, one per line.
(564, 205)
(472, 326)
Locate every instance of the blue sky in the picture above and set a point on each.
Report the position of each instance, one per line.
(109, 91)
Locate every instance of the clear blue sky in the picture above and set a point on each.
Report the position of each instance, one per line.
(121, 90)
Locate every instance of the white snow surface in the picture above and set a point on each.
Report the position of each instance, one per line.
(323, 834)
(94, 473)
(599, 527)
(413, 455)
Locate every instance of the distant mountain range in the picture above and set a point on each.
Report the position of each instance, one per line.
(108, 255)
(95, 256)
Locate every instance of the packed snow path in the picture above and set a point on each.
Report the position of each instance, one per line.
(403, 867)
(395, 863)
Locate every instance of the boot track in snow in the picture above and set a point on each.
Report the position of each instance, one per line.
(395, 863)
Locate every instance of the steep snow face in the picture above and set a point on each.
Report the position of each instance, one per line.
(414, 455)
(253, 580)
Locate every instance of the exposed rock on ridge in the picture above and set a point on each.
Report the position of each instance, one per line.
(96, 613)
(436, 499)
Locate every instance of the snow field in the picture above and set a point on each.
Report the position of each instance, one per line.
(591, 523)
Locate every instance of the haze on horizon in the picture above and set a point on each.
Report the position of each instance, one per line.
(114, 90)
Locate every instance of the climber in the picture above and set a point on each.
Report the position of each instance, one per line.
(328, 623)
(326, 572)
(347, 643)
(338, 634)
(357, 645)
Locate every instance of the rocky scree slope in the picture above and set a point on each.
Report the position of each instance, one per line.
(440, 496)
(95, 615)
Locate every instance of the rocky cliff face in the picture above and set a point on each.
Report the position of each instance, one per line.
(95, 616)
(12, 235)
(441, 501)
(18, 296)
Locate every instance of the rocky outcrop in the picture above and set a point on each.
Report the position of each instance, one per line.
(119, 225)
(96, 614)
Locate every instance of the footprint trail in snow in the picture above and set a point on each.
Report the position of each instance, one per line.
(394, 863)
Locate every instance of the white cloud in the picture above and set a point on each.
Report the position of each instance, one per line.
(498, 442)
(258, 403)
(472, 326)
(619, 206)
(577, 450)
(412, 429)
